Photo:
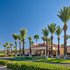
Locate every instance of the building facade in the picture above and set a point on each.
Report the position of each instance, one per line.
(39, 50)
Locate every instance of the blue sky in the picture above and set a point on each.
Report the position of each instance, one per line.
(33, 15)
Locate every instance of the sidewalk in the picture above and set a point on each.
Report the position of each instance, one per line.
(3, 68)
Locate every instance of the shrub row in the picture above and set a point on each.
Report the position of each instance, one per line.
(2, 55)
(4, 62)
(16, 65)
(34, 66)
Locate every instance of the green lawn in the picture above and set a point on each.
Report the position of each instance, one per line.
(38, 59)
(54, 60)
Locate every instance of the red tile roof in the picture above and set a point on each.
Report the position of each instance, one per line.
(44, 44)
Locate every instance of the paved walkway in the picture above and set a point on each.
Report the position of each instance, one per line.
(3, 68)
(67, 65)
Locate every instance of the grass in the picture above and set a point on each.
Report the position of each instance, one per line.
(39, 59)
(54, 60)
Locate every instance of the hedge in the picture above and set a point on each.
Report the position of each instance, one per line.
(21, 65)
(4, 62)
(2, 55)
(34, 66)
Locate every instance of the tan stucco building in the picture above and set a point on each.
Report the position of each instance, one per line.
(39, 49)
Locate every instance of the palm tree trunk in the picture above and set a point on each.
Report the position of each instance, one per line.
(58, 47)
(7, 52)
(46, 52)
(65, 42)
(4, 50)
(51, 46)
(23, 48)
(11, 50)
(36, 41)
(65, 45)
(20, 47)
(16, 48)
(30, 51)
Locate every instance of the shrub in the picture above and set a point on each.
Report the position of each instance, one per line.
(4, 62)
(34, 66)
(16, 65)
(2, 55)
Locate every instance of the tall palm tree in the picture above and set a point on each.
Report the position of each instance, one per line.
(52, 28)
(36, 37)
(15, 37)
(19, 38)
(64, 15)
(45, 33)
(23, 33)
(58, 32)
(30, 44)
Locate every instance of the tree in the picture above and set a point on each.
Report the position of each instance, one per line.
(10, 44)
(15, 37)
(4, 48)
(67, 37)
(64, 15)
(19, 38)
(36, 37)
(43, 38)
(23, 33)
(58, 32)
(52, 28)
(30, 44)
(7, 46)
(45, 33)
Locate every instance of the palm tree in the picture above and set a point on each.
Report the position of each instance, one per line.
(43, 38)
(15, 37)
(10, 44)
(4, 48)
(30, 44)
(58, 32)
(45, 33)
(49, 40)
(52, 28)
(67, 37)
(19, 38)
(64, 15)
(36, 37)
(7, 47)
(23, 33)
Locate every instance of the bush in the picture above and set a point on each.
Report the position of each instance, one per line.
(4, 62)
(34, 66)
(2, 55)
(16, 65)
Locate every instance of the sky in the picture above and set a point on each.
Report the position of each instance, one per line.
(34, 15)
